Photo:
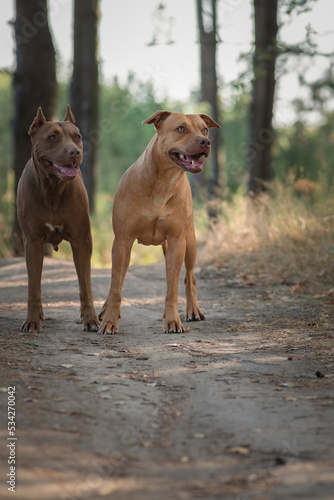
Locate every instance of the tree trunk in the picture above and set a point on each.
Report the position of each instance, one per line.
(209, 88)
(34, 83)
(84, 87)
(263, 91)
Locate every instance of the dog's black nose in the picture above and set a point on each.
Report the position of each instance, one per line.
(203, 141)
(73, 152)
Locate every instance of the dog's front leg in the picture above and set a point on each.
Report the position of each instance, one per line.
(34, 262)
(110, 313)
(82, 251)
(174, 256)
(193, 312)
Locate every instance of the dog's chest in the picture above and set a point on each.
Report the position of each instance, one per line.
(56, 228)
(54, 234)
(155, 230)
(155, 236)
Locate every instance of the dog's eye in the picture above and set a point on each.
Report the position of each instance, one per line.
(181, 129)
(205, 130)
(78, 137)
(52, 137)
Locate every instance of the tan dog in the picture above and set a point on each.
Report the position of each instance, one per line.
(153, 204)
(52, 205)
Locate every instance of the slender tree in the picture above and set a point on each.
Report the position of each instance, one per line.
(34, 83)
(208, 38)
(84, 86)
(263, 91)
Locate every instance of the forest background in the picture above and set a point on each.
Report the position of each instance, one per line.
(288, 230)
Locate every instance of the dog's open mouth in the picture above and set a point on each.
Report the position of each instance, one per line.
(193, 164)
(66, 172)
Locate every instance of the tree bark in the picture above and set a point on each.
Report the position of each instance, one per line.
(263, 92)
(34, 83)
(209, 88)
(84, 87)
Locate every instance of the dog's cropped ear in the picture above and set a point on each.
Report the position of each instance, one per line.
(39, 120)
(69, 117)
(209, 121)
(157, 118)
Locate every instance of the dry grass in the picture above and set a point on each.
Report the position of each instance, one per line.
(283, 237)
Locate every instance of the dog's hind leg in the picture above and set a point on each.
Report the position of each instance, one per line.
(174, 256)
(82, 250)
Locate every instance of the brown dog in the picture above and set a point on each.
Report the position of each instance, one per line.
(52, 205)
(153, 204)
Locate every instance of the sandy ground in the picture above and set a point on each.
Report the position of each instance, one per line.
(240, 407)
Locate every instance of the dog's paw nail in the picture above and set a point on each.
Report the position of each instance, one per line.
(107, 330)
(91, 328)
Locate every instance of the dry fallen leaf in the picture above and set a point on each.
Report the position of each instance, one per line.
(147, 444)
(298, 289)
(103, 388)
(199, 435)
(242, 450)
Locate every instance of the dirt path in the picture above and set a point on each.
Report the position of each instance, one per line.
(235, 409)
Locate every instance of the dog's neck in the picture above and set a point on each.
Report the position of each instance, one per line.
(49, 184)
(158, 175)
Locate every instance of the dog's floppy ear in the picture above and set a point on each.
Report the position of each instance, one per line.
(39, 120)
(69, 117)
(209, 121)
(157, 118)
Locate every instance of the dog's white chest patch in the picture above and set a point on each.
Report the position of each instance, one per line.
(54, 228)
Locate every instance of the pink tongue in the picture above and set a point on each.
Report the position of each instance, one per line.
(65, 173)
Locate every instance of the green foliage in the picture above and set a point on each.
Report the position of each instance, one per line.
(297, 6)
(234, 133)
(6, 162)
(325, 148)
(306, 152)
(296, 153)
(6, 131)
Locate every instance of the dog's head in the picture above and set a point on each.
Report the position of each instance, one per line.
(184, 139)
(57, 146)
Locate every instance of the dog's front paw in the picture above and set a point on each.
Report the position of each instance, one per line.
(194, 314)
(30, 326)
(91, 325)
(33, 323)
(174, 326)
(108, 327)
(109, 316)
(89, 318)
